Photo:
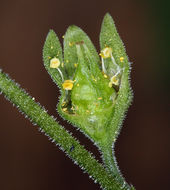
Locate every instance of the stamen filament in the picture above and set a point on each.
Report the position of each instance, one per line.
(114, 62)
(61, 74)
(103, 67)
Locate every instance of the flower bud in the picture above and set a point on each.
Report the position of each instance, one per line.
(95, 91)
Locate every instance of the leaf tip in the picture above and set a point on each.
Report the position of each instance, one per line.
(72, 28)
(51, 33)
(108, 18)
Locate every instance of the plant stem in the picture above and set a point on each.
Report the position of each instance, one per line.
(38, 115)
(110, 162)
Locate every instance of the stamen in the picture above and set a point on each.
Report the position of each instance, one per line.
(114, 80)
(105, 76)
(60, 74)
(121, 59)
(103, 67)
(68, 85)
(54, 63)
(64, 109)
(106, 52)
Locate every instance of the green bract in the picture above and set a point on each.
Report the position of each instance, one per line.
(95, 89)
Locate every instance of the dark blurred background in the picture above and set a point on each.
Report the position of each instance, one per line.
(28, 160)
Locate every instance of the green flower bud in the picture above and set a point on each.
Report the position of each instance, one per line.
(90, 86)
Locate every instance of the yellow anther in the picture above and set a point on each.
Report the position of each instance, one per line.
(100, 98)
(63, 37)
(106, 52)
(121, 59)
(105, 76)
(63, 103)
(54, 63)
(71, 44)
(65, 109)
(114, 80)
(68, 84)
(75, 64)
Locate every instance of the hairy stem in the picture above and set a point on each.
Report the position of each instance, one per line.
(57, 133)
(109, 160)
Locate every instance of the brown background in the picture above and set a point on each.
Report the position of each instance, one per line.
(28, 160)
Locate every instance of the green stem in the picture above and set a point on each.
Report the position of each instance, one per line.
(57, 133)
(110, 162)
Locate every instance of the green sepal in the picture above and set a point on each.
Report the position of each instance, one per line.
(109, 37)
(76, 35)
(52, 48)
